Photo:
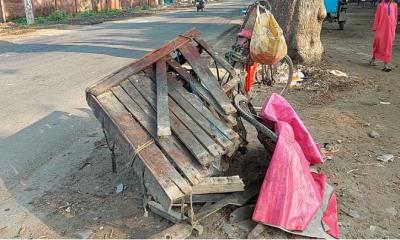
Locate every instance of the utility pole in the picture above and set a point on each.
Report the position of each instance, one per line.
(76, 7)
(2, 12)
(30, 19)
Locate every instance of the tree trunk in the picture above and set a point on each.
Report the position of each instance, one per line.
(301, 22)
(29, 12)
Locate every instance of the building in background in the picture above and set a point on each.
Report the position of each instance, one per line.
(10, 9)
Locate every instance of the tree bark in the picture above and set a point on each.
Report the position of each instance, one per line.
(30, 19)
(301, 22)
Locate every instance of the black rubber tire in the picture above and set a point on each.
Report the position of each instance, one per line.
(271, 70)
(289, 62)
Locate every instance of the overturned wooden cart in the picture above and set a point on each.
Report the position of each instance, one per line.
(173, 120)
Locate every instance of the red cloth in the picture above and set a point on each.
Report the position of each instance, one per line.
(385, 31)
(291, 194)
(251, 71)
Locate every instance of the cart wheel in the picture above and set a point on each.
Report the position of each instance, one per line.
(341, 25)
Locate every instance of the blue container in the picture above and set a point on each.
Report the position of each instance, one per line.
(331, 6)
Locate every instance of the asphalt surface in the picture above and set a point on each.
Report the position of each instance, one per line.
(43, 78)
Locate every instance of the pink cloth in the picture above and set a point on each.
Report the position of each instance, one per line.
(278, 111)
(330, 217)
(290, 194)
(385, 31)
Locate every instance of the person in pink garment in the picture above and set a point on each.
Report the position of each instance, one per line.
(385, 31)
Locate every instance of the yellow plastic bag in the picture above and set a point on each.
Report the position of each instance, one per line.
(268, 45)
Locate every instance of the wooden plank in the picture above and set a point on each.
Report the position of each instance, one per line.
(219, 185)
(199, 106)
(163, 125)
(145, 115)
(206, 198)
(113, 130)
(212, 125)
(236, 199)
(170, 215)
(122, 74)
(177, 231)
(235, 80)
(208, 142)
(163, 182)
(201, 91)
(115, 138)
(201, 69)
(213, 147)
(142, 84)
(209, 127)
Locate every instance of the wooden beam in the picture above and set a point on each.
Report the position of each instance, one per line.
(145, 115)
(219, 185)
(163, 125)
(236, 199)
(199, 106)
(143, 85)
(207, 141)
(170, 215)
(210, 127)
(192, 56)
(213, 147)
(189, 102)
(140, 64)
(201, 91)
(206, 198)
(161, 179)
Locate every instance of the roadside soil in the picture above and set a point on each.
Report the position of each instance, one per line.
(336, 110)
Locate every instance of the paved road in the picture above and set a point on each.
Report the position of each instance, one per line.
(43, 78)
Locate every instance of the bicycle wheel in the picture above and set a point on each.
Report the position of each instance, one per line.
(275, 78)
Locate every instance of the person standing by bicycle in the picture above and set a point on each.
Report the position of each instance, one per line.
(385, 31)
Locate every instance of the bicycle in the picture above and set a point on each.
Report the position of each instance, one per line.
(277, 77)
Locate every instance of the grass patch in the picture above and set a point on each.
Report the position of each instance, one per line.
(59, 16)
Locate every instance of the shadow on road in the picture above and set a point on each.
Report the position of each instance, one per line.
(123, 39)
